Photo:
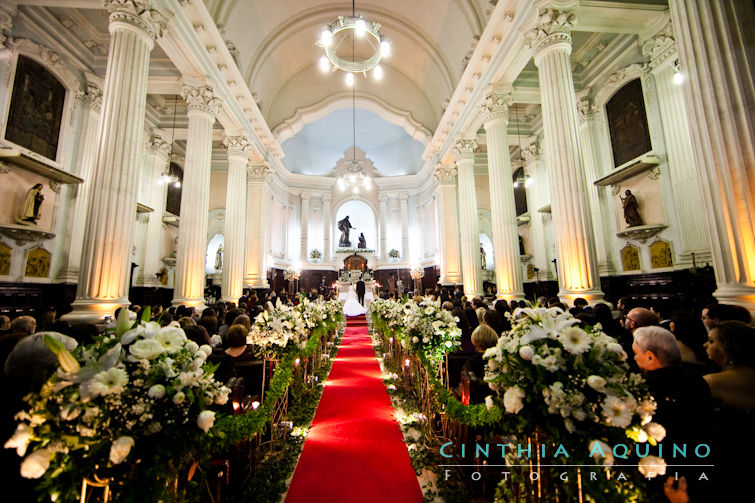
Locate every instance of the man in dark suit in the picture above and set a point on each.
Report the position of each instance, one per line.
(360, 291)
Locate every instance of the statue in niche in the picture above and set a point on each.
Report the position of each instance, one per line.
(521, 246)
(344, 226)
(631, 213)
(362, 241)
(219, 258)
(483, 257)
(33, 201)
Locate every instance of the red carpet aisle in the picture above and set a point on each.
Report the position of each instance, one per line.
(354, 451)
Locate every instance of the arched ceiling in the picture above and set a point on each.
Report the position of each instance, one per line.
(278, 57)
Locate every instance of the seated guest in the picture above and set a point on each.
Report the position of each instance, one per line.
(502, 307)
(20, 328)
(166, 319)
(483, 338)
(197, 334)
(691, 336)
(187, 321)
(731, 345)
(156, 311)
(714, 314)
(579, 305)
(4, 324)
(210, 323)
(235, 349)
(609, 325)
(466, 331)
(243, 319)
(230, 315)
(492, 319)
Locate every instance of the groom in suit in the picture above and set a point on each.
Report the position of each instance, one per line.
(360, 291)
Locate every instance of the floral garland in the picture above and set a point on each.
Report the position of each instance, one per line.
(117, 402)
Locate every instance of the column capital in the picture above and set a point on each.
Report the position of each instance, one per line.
(159, 146)
(403, 197)
(200, 99)
(91, 98)
(445, 174)
(553, 27)
(586, 109)
(327, 198)
(257, 173)
(238, 146)
(464, 149)
(532, 152)
(140, 14)
(660, 48)
(382, 199)
(495, 107)
(305, 196)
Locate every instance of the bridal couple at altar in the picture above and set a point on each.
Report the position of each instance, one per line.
(354, 300)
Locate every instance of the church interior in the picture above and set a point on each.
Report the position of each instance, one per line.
(188, 152)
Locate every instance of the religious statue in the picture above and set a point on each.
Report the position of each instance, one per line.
(483, 257)
(30, 213)
(362, 241)
(219, 258)
(521, 246)
(344, 226)
(631, 215)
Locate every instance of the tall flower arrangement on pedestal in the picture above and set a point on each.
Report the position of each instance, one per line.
(430, 330)
(127, 408)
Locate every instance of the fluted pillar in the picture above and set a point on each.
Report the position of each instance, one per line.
(470, 236)
(590, 128)
(106, 252)
(715, 52)
(383, 202)
(575, 246)
(682, 171)
(257, 213)
(91, 107)
(304, 220)
(195, 197)
(404, 214)
(537, 197)
(154, 194)
(327, 227)
(450, 265)
(508, 268)
(234, 253)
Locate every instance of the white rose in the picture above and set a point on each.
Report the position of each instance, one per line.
(489, 402)
(36, 464)
(642, 436)
(156, 391)
(656, 431)
(449, 344)
(146, 349)
(205, 420)
(192, 346)
(596, 382)
(425, 340)
(197, 363)
(206, 349)
(120, 449)
(512, 400)
(415, 340)
(492, 364)
(651, 466)
(526, 352)
(222, 397)
(20, 439)
(185, 378)
(179, 397)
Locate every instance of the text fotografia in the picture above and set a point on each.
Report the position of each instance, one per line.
(619, 451)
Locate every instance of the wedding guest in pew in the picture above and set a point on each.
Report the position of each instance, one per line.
(483, 337)
(235, 350)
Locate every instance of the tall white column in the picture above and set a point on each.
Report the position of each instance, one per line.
(687, 196)
(106, 252)
(327, 227)
(450, 264)
(537, 197)
(470, 236)
(508, 268)
(404, 214)
(195, 196)
(383, 202)
(575, 246)
(590, 141)
(234, 253)
(716, 54)
(304, 220)
(257, 206)
(154, 194)
(91, 106)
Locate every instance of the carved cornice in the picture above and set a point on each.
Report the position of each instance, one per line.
(47, 57)
(532, 152)
(553, 26)
(138, 13)
(91, 98)
(238, 146)
(257, 173)
(201, 99)
(495, 107)
(661, 47)
(7, 13)
(464, 149)
(445, 174)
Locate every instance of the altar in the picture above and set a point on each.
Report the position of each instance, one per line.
(343, 291)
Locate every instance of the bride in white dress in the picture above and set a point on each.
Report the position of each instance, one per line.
(352, 307)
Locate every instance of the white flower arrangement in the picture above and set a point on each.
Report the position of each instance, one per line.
(109, 401)
(417, 273)
(291, 274)
(274, 330)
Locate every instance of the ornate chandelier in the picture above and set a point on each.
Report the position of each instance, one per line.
(365, 39)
